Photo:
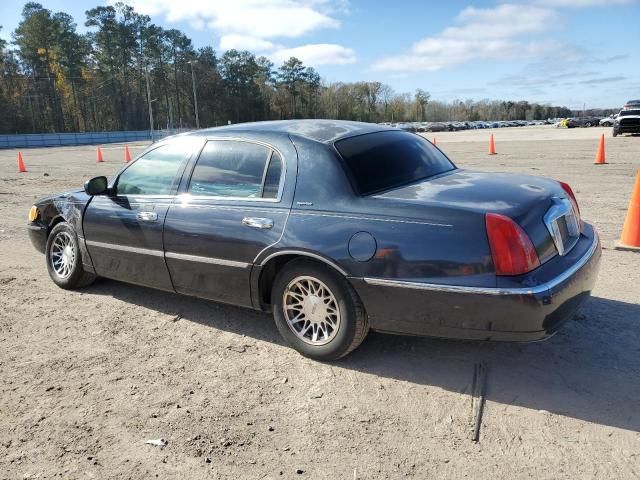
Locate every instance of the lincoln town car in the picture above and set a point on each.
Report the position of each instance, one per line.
(335, 227)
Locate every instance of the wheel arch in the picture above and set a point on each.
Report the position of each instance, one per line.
(273, 264)
(55, 221)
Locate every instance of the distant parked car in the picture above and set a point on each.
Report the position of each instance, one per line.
(582, 122)
(628, 121)
(437, 127)
(632, 104)
(608, 121)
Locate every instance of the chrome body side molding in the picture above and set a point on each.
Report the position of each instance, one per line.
(538, 289)
(214, 261)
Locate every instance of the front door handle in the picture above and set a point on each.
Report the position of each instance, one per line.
(262, 223)
(147, 216)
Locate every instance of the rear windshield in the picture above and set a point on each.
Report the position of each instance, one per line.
(384, 160)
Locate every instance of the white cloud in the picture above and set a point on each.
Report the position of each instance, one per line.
(245, 42)
(584, 3)
(499, 33)
(317, 54)
(257, 18)
(255, 24)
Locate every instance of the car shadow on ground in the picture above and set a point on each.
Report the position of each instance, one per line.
(589, 371)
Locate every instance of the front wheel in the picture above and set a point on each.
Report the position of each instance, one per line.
(64, 260)
(317, 311)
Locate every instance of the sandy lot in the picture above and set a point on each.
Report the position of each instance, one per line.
(86, 377)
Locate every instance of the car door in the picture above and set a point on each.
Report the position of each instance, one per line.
(123, 230)
(234, 205)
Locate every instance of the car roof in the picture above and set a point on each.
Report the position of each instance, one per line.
(324, 131)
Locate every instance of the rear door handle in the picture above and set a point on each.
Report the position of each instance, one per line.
(262, 223)
(147, 216)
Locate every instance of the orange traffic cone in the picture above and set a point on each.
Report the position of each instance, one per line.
(434, 140)
(21, 167)
(600, 156)
(492, 146)
(99, 155)
(630, 238)
(127, 155)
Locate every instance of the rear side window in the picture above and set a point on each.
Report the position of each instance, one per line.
(385, 160)
(230, 168)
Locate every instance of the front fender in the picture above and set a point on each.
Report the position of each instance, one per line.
(65, 207)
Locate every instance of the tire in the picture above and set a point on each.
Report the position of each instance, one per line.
(615, 133)
(66, 273)
(331, 290)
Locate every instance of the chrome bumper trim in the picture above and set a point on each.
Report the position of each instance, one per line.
(542, 288)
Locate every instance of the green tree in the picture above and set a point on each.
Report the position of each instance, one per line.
(421, 99)
(291, 75)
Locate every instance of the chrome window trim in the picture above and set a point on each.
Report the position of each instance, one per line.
(211, 260)
(542, 288)
(243, 199)
(183, 196)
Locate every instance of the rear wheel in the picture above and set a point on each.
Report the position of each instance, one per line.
(64, 260)
(317, 311)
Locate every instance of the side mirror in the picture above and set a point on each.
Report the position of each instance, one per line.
(96, 186)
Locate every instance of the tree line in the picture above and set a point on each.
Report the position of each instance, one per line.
(54, 79)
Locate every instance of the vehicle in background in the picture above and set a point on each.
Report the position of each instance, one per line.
(628, 121)
(437, 127)
(608, 121)
(406, 126)
(582, 122)
(632, 104)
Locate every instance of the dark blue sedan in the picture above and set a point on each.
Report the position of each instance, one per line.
(337, 227)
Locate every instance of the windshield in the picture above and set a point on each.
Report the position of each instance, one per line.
(384, 160)
(624, 113)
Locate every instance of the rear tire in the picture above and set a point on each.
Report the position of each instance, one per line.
(317, 311)
(64, 260)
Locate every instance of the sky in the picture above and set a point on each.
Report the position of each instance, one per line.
(561, 52)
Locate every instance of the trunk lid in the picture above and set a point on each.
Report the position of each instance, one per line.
(524, 198)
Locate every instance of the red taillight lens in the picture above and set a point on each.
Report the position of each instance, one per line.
(511, 248)
(572, 196)
(574, 201)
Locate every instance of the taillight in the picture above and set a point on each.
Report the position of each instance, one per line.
(574, 202)
(511, 248)
(572, 196)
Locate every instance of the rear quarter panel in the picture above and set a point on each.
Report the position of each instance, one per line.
(429, 244)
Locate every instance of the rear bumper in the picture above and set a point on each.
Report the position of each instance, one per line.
(513, 314)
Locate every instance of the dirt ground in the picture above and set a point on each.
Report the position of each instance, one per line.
(86, 377)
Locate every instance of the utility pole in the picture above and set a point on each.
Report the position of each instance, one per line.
(146, 75)
(195, 97)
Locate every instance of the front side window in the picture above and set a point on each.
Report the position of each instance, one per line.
(230, 168)
(385, 160)
(156, 172)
